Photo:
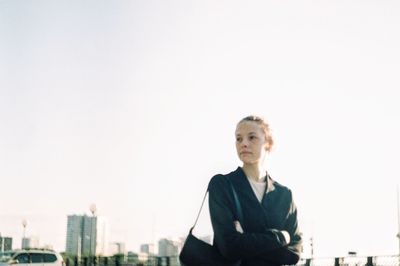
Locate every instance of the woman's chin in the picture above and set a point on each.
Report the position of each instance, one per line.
(247, 161)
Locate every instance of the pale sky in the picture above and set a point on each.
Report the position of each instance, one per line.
(132, 105)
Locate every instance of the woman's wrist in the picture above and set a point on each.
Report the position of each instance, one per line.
(282, 236)
(286, 237)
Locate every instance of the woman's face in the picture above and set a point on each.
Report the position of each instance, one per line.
(251, 144)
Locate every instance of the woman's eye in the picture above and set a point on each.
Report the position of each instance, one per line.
(238, 139)
(252, 137)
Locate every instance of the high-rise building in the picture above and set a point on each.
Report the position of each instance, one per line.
(74, 235)
(86, 235)
(167, 248)
(102, 240)
(89, 235)
(5, 243)
(147, 248)
(30, 242)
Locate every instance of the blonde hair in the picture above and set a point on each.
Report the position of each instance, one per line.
(264, 126)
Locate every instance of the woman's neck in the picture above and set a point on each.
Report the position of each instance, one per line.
(255, 172)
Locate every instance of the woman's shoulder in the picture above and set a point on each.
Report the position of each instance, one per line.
(280, 186)
(219, 180)
(283, 191)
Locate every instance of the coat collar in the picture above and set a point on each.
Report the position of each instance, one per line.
(242, 184)
(241, 175)
(246, 195)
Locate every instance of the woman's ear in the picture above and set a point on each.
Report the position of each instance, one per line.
(267, 146)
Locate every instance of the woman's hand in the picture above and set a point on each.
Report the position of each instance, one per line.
(282, 235)
(286, 236)
(238, 226)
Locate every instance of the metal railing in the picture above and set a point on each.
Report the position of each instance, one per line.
(353, 261)
(121, 260)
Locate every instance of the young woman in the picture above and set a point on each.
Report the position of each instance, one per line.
(269, 233)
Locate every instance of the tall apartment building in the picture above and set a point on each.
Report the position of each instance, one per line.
(102, 237)
(74, 235)
(147, 248)
(5, 243)
(168, 248)
(86, 235)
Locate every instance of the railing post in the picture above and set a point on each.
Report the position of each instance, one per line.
(369, 262)
(168, 261)
(76, 262)
(337, 262)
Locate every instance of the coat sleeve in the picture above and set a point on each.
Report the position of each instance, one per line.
(289, 254)
(232, 244)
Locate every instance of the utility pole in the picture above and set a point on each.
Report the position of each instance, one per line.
(398, 218)
(24, 224)
(93, 211)
(312, 247)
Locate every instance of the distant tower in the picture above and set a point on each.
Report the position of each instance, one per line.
(89, 235)
(81, 232)
(86, 235)
(25, 241)
(74, 235)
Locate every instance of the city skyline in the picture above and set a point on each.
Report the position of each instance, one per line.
(133, 105)
(86, 235)
(103, 246)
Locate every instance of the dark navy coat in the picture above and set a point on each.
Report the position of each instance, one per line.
(260, 244)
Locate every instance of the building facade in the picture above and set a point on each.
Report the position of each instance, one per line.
(86, 235)
(147, 248)
(25, 243)
(30, 242)
(74, 235)
(168, 248)
(5, 244)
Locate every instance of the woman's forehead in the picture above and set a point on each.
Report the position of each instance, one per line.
(247, 127)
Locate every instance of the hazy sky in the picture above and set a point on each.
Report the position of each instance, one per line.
(132, 105)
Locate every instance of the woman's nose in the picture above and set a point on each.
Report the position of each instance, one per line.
(244, 143)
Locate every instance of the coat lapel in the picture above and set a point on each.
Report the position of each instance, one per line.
(248, 199)
(253, 212)
(243, 187)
